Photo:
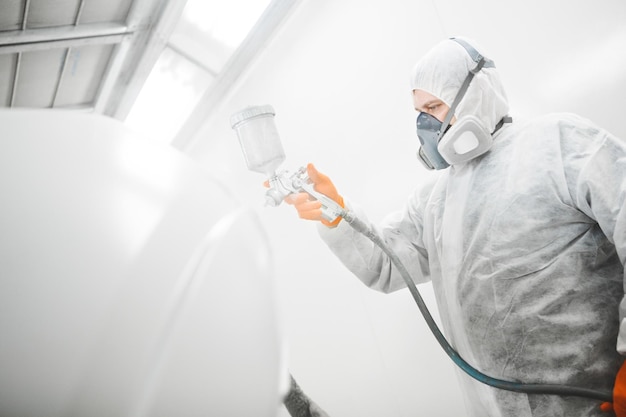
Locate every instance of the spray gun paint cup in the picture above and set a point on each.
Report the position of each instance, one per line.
(258, 138)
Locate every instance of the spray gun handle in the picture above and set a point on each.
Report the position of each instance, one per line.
(330, 208)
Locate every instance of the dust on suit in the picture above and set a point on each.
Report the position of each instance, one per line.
(525, 247)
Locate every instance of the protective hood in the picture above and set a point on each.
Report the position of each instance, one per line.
(442, 71)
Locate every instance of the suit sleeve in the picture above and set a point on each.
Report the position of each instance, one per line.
(402, 232)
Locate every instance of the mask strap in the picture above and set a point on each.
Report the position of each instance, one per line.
(474, 54)
(481, 62)
(505, 119)
(455, 103)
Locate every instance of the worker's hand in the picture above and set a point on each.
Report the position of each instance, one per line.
(310, 209)
(619, 394)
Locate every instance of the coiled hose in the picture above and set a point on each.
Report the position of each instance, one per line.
(527, 388)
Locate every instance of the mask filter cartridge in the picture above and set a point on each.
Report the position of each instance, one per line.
(466, 140)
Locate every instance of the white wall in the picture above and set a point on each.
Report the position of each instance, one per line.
(337, 75)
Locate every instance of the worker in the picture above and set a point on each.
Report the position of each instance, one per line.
(522, 232)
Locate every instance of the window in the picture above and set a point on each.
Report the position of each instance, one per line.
(207, 34)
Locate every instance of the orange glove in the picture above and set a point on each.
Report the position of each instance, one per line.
(310, 209)
(619, 394)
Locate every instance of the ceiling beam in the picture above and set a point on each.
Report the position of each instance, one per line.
(62, 37)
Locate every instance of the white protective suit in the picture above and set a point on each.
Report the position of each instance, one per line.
(525, 246)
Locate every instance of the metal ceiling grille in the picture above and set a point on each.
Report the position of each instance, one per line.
(79, 54)
(54, 54)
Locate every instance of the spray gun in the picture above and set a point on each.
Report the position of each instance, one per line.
(263, 151)
(284, 183)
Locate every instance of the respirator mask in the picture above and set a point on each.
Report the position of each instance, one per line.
(443, 144)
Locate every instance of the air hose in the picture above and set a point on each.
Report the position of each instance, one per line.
(528, 388)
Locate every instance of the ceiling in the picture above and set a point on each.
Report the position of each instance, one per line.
(78, 54)
(96, 55)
